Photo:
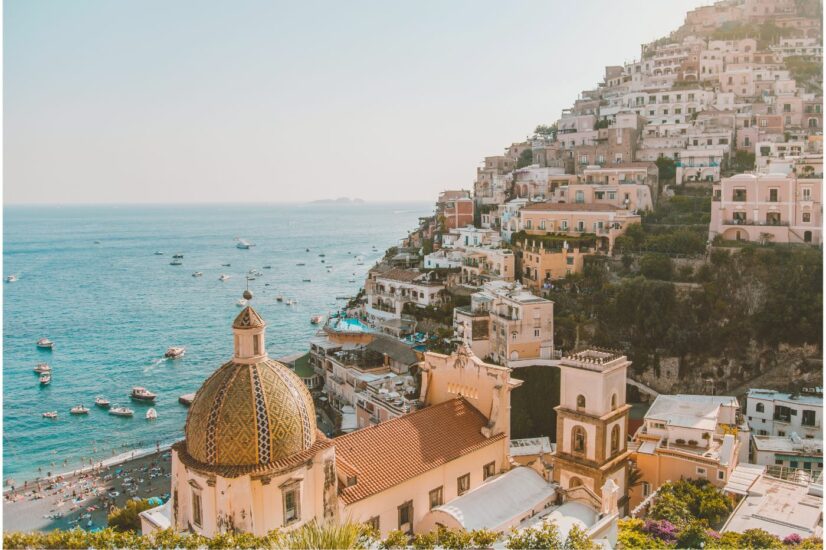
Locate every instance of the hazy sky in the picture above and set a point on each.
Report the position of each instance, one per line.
(193, 101)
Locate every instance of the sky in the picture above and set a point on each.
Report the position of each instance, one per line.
(157, 101)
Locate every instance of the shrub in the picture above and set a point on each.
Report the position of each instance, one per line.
(545, 535)
(663, 530)
(128, 518)
(792, 540)
(395, 539)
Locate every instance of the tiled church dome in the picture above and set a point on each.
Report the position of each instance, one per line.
(250, 414)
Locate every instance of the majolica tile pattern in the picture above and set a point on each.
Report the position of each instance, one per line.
(250, 414)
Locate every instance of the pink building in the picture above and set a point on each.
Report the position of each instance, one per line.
(767, 208)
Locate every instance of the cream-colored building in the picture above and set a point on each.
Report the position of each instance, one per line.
(253, 461)
(605, 221)
(689, 437)
(507, 323)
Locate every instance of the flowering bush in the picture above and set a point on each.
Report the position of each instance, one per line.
(662, 529)
(793, 540)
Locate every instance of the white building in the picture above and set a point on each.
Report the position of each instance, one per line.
(790, 452)
(770, 412)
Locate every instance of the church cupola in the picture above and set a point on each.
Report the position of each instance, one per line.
(248, 329)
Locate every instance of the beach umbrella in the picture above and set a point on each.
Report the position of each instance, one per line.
(155, 501)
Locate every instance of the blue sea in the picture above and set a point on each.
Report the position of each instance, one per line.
(113, 308)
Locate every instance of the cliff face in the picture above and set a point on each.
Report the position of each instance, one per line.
(783, 368)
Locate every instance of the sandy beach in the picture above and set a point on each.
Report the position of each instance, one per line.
(83, 496)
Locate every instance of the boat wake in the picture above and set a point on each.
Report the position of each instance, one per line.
(149, 368)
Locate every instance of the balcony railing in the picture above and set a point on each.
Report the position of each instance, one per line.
(756, 222)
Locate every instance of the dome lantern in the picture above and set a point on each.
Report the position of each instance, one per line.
(248, 329)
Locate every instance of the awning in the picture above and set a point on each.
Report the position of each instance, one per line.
(816, 459)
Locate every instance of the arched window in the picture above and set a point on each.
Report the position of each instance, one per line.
(578, 439)
(613, 402)
(760, 408)
(615, 439)
(574, 482)
(580, 401)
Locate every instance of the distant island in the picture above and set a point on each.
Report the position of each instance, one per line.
(340, 200)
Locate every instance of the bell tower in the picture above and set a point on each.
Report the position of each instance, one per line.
(592, 421)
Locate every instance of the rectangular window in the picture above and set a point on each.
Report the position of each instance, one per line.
(196, 508)
(807, 217)
(489, 470)
(807, 193)
(808, 418)
(406, 517)
(646, 489)
(721, 475)
(773, 195)
(773, 218)
(290, 506)
(256, 344)
(701, 471)
(436, 497)
(374, 524)
(462, 484)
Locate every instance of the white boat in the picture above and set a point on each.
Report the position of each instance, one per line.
(351, 280)
(279, 298)
(50, 414)
(151, 414)
(11, 278)
(243, 244)
(121, 411)
(42, 368)
(45, 343)
(140, 393)
(241, 302)
(224, 277)
(158, 253)
(175, 352)
(197, 274)
(176, 261)
(102, 402)
(79, 409)
(45, 379)
(317, 319)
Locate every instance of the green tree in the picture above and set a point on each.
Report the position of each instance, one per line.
(693, 535)
(630, 536)
(578, 540)
(743, 161)
(758, 538)
(525, 158)
(667, 169)
(656, 266)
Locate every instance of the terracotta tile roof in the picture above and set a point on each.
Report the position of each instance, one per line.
(568, 207)
(275, 467)
(400, 449)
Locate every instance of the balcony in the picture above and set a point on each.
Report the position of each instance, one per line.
(756, 222)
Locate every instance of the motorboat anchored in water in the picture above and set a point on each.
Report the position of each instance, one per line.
(79, 409)
(45, 343)
(176, 261)
(244, 244)
(45, 379)
(279, 298)
(142, 394)
(121, 411)
(151, 414)
(158, 253)
(11, 279)
(197, 274)
(178, 256)
(224, 277)
(102, 402)
(175, 352)
(50, 414)
(317, 319)
(241, 303)
(42, 368)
